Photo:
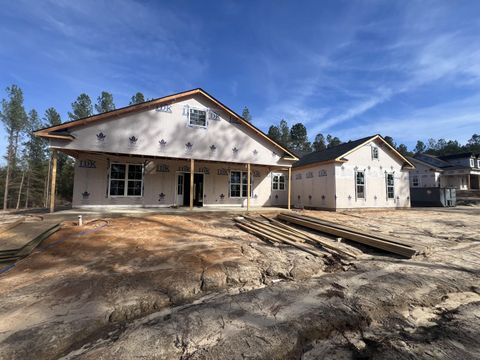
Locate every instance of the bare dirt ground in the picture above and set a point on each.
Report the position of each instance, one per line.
(196, 287)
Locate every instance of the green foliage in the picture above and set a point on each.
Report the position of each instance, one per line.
(81, 108)
(274, 133)
(137, 99)
(299, 139)
(319, 143)
(420, 147)
(390, 141)
(333, 141)
(402, 149)
(284, 133)
(246, 114)
(104, 102)
(52, 117)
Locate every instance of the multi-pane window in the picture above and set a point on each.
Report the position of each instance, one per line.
(198, 117)
(180, 185)
(390, 183)
(126, 179)
(360, 184)
(374, 152)
(239, 184)
(415, 181)
(278, 182)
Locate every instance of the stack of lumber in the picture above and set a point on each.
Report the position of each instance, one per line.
(276, 232)
(383, 242)
(19, 241)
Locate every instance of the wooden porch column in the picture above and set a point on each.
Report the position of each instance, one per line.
(192, 170)
(289, 188)
(468, 182)
(248, 187)
(53, 181)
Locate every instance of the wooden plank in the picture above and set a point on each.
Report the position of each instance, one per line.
(289, 192)
(7, 226)
(363, 239)
(192, 170)
(53, 181)
(383, 237)
(261, 232)
(248, 187)
(307, 236)
(21, 235)
(275, 230)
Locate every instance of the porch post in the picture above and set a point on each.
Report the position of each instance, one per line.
(468, 182)
(192, 170)
(289, 188)
(248, 187)
(53, 180)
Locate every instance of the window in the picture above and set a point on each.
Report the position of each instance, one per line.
(478, 163)
(390, 183)
(415, 181)
(198, 117)
(126, 180)
(472, 162)
(239, 184)
(360, 184)
(374, 152)
(278, 182)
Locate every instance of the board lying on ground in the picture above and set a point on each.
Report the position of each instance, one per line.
(382, 242)
(20, 241)
(275, 232)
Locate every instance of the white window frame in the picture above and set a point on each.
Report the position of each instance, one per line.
(478, 163)
(472, 162)
(388, 187)
(357, 184)
(278, 182)
(190, 110)
(125, 180)
(241, 183)
(375, 153)
(415, 177)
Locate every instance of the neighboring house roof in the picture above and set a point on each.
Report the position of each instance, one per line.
(425, 163)
(337, 153)
(458, 156)
(439, 162)
(61, 131)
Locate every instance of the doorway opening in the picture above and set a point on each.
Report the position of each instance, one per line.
(183, 189)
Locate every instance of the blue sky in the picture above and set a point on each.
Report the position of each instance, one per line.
(408, 69)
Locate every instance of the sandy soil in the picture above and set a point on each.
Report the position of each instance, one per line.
(177, 287)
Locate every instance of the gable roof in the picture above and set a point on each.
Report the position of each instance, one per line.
(337, 153)
(61, 131)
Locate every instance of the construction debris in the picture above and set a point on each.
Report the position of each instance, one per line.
(383, 242)
(276, 232)
(20, 241)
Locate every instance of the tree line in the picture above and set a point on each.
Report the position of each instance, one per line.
(296, 139)
(26, 175)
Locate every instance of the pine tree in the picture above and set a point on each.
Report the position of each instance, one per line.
(333, 141)
(420, 147)
(52, 117)
(104, 102)
(299, 139)
(319, 143)
(284, 133)
(274, 133)
(14, 118)
(390, 141)
(137, 98)
(81, 108)
(246, 114)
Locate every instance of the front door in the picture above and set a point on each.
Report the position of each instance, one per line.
(180, 188)
(197, 189)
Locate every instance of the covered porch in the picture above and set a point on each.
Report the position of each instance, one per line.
(110, 180)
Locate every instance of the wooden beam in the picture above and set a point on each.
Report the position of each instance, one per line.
(289, 195)
(248, 187)
(53, 181)
(192, 170)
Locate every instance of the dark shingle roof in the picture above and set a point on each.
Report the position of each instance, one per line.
(458, 156)
(330, 153)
